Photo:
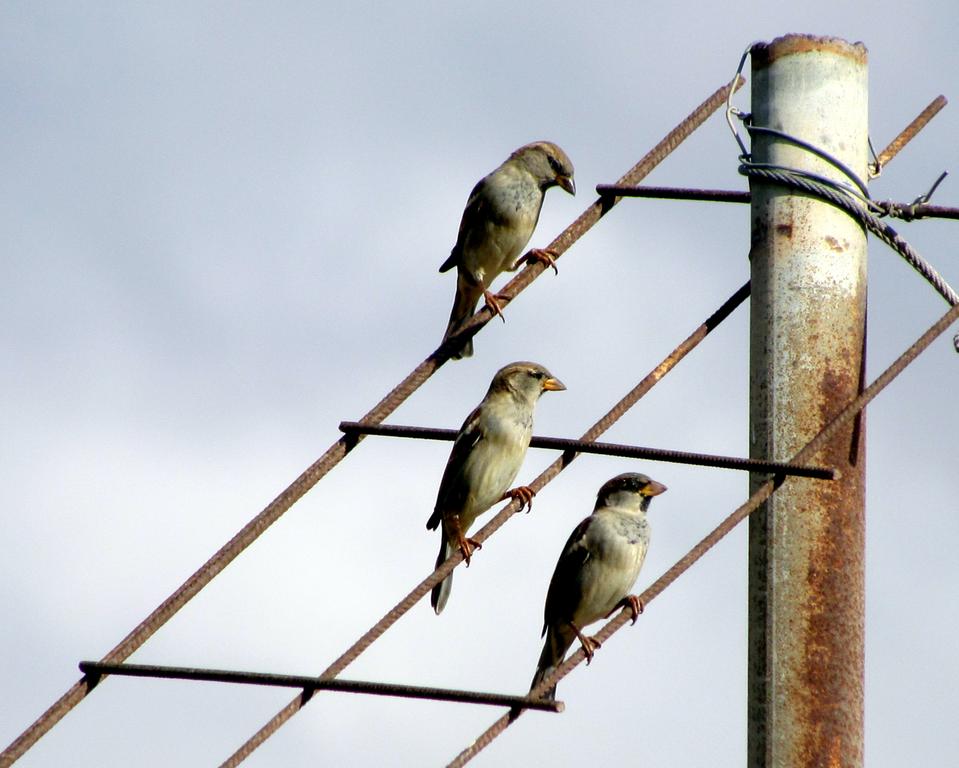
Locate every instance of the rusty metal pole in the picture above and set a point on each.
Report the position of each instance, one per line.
(807, 344)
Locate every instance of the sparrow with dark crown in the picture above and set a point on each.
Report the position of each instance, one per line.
(485, 459)
(597, 569)
(499, 219)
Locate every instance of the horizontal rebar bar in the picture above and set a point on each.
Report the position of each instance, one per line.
(926, 211)
(558, 246)
(607, 449)
(908, 211)
(760, 495)
(95, 669)
(674, 193)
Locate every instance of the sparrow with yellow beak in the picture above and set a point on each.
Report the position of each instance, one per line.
(597, 569)
(498, 221)
(485, 459)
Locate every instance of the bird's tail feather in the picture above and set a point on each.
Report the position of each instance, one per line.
(554, 650)
(441, 592)
(464, 304)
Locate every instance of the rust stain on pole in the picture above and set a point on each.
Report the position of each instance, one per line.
(807, 340)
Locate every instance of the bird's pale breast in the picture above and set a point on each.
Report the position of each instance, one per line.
(617, 544)
(494, 464)
(515, 203)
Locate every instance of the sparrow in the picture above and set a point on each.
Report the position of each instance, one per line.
(498, 221)
(485, 459)
(597, 569)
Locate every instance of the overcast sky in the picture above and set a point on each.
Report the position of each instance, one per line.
(221, 226)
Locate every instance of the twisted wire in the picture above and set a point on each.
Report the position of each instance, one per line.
(879, 228)
(819, 152)
(270, 514)
(761, 494)
(856, 203)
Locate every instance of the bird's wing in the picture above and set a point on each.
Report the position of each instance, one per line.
(477, 210)
(452, 488)
(565, 588)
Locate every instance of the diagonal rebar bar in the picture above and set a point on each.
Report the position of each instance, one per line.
(761, 494)
(423, 588)
(312, 475)
(909, 132)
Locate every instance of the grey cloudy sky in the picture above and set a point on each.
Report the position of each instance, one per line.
(221, 226)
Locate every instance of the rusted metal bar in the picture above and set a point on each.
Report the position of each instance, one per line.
(909, 132)
(807, 348)
(606, 449)
(908, 212)
(95, 670)
(749, 507)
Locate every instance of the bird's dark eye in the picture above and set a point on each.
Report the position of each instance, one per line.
(554, 164)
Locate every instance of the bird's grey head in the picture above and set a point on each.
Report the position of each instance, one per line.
(549, 164)
(631, 490)
(525, 380)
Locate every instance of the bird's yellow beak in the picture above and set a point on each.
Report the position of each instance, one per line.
(653, 489)
(567, 183)
(553, 385)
